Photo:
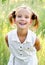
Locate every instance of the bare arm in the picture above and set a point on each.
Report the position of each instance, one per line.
(6, 39)
(37, 44)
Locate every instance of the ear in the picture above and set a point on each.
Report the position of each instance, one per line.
(14, 20)
(31, 21)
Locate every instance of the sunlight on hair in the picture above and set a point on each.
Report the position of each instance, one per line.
(23, 6)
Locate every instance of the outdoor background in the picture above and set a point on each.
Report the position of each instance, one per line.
(8, 5)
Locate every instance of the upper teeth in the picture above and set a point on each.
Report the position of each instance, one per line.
(22, 23)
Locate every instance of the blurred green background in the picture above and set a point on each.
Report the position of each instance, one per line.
(8, 5)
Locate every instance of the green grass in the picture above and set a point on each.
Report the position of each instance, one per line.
(41, 53)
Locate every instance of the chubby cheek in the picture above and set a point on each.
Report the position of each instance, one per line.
(16, 21)
(29, 21)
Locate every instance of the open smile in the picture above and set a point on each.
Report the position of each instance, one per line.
(22, 23)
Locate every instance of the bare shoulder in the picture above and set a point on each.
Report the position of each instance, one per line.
(37, 44)
(6, 39)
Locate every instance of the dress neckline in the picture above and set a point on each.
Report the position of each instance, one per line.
(19, 39)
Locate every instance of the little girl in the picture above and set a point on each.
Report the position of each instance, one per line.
(22, 42)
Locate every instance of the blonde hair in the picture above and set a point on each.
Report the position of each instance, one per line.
(34, 16)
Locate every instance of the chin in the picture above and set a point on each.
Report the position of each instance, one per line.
(22, 27)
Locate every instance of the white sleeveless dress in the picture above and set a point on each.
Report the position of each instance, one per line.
(22, 54)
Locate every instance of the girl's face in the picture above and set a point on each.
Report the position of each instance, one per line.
(23, 18)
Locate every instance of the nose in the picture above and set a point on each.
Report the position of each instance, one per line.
(23, 18)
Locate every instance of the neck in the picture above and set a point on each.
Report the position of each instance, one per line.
(22, 32)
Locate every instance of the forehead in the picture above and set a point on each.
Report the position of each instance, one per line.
(23, 10)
